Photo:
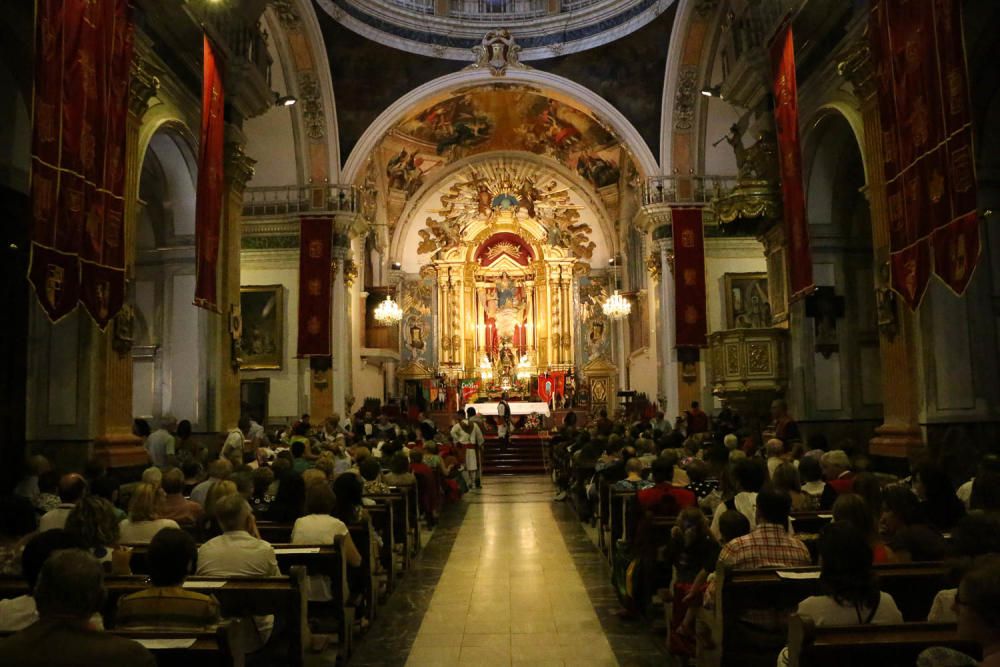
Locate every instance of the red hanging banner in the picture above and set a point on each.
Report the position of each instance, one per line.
(83, 57)
(314, 286)
(208, 211)
(545, 386)
(786, 121)
(928, 162)
(689, 278)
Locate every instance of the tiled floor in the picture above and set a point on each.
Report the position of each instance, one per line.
(508, 579)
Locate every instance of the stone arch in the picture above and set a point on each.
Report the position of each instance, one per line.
(407, 218)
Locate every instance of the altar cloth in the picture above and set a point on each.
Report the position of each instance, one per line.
(516, 408)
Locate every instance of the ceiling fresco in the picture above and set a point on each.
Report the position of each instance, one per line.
(498, 117)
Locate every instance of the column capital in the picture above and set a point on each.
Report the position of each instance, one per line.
(239, 167)
(143, 85)
(857, 67)
(350, 272)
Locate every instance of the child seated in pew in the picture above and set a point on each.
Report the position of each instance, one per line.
(852, 591)
(166, 604)
(693, 553)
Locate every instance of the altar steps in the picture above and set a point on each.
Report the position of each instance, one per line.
(526, 454)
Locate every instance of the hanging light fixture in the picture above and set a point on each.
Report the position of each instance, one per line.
(388, 312)
(616, 306)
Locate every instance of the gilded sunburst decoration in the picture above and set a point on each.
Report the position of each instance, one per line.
(502, 193)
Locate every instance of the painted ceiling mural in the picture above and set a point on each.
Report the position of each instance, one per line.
(498, 117)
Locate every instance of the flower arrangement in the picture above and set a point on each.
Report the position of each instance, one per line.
(533, 422)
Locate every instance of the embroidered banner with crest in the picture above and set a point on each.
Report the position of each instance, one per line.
(82, 68)
(208, 207)
(927, 150)
(689, 278)
(786, 122)
(314, 286)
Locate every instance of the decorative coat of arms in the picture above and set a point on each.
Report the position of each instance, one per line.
(497, 52)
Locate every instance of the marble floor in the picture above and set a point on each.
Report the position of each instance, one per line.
(509, 578)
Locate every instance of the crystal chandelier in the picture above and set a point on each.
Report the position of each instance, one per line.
(388, 312)
(616, 306)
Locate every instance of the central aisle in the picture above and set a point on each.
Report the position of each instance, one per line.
(510, 592)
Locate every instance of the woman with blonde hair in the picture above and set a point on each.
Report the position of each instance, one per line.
(94, 524)
(143, 521)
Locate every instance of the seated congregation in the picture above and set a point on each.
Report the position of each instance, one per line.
(268, 550)
(791, 552)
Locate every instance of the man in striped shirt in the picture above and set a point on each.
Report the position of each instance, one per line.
(167, 604)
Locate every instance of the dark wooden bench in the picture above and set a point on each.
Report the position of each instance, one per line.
(239, 597)
(868, 645)
(221, 646)
(737, 592)
(810, 522)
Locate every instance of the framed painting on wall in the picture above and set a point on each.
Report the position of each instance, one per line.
(748, 304)
(263, 311)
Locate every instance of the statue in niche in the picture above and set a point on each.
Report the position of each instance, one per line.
(758, 162)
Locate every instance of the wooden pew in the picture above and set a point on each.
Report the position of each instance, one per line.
(621, 518)
(810, 522)
(238, 596)
(382, 521)
(221, 646)
(400, 502)
(868, 645)
(912, 585)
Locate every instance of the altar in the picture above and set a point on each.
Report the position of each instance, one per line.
(516, 408)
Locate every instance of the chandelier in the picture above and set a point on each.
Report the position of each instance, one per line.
(616, 306)
(388, 312)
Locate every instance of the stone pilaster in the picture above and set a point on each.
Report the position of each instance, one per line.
(340, 329)
(900, 433)
(115, 444)
(238, 171)
(668, 369)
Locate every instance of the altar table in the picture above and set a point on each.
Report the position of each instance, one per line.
(516, 408)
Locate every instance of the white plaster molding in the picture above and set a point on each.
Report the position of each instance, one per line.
(556, 87)
(321, 61)
(675, 50)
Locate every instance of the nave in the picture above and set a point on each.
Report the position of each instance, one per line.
(508, 578)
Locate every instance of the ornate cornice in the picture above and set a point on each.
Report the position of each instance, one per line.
(239, 167)
(750, 200)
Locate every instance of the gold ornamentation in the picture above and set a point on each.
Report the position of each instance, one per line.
(497, 52)
(350, 272)
(653, 266)
(732, 360)
(759, 357)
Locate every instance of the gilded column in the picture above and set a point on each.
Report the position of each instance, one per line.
(115, 444)
(900, 433)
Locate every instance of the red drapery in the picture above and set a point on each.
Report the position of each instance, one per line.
(83, 58)
(314, 286)
(689, 278)
(786, 121)
(929, 164)
(208, 211)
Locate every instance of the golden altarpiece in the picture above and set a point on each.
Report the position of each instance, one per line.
(505, 250)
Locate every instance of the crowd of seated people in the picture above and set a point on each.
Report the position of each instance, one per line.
(194, 513)
(734, 499)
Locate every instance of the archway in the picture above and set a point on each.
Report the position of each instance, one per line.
(169, 352)
(835, 335)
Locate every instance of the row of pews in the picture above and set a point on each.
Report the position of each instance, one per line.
(724, 636)
(387, 541)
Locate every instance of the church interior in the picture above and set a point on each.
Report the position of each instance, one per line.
(514, 332)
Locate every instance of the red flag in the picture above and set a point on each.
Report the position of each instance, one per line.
(208, 212)
(544, 387)
(83, 57)
(314, 286)
(786, 121)
(928, 163)
(559, 383)
(689, 278)
(956, 251)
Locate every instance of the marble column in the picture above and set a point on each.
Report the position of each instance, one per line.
(900, 433)
(340, 326)
(668, 368)
(115, 444)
